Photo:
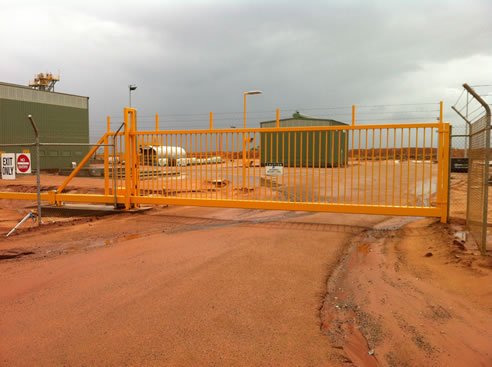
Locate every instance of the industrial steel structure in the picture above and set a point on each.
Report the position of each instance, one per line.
(61, 118)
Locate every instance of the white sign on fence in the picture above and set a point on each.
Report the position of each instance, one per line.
(274, 169)
(8, 166)
(23, 161)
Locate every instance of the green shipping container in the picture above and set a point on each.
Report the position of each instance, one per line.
(304, 148)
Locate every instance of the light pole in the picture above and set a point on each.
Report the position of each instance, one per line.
(246, 141)
(245, 94)
(130, 88)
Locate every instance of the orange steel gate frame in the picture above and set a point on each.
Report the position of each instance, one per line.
(371, 169)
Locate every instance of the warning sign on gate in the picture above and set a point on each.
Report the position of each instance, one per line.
(23, 162)
(274, 169)
(8, 166)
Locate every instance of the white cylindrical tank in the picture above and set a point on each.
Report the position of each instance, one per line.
(169, 152)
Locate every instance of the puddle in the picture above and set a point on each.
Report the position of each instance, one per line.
(14, 255)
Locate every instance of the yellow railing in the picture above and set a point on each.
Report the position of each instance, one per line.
(397, 169)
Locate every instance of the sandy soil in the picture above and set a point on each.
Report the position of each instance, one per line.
(202, 286)
(413, 296)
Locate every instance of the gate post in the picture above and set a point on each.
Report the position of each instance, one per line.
(445, 174)
(128, 170)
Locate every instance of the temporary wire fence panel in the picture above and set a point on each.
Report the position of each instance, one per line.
(391, 169)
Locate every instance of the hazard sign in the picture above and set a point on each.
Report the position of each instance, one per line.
(23, 161)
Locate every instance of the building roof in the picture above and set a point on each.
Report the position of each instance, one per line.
(296, 116)
(41, 91)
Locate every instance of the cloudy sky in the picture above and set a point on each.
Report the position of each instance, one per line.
(394, 59)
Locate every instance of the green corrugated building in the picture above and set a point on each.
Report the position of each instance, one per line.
(311, 149)
(60, 118)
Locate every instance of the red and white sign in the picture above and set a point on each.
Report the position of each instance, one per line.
(23, 162)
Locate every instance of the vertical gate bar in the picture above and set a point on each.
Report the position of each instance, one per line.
(188, 156)
(254, 166)
(430, 169)
(387, 162)
(394, 167)
(161, 167)
(319, 167)
(338, 165)
(312, 169)
(365, 168)
(372, 165)
(166, 156)
(352, 133)
(288, 167)
(358, 170)
(216, 167)
(172, 167)
(223, 183)
(227, 165)
(295, 165)
(408, 165)
(201, 165)
(181, 165)
(231, 156)
(423, 171)
(154, 173)
(283, 164)
(276, 160)
(121, 154)
(401, 167)
(141, 141)
(345, 163)
(416, 166)
(247, 163)
(212, 165)
(271, 160)
(332, 133)
(326, 165)
(237, 161)
(379, 165)
(300, 168)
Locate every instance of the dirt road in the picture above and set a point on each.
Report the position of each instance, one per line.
(193, 287)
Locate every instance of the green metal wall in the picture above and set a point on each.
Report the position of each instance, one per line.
(306, 148)
(56, 124)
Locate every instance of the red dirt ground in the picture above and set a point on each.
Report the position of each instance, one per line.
(188, 286)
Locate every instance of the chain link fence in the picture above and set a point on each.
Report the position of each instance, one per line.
(474, 147)
(478, 180)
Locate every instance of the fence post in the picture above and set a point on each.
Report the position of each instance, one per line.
(446, 173)
(128, 170)
(106, 158)
(38, 167)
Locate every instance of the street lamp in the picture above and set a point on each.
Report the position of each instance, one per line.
(130, 88)
(245, 94)
(246, 142)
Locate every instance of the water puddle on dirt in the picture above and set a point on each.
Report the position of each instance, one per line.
(9, 254)
(129, 237)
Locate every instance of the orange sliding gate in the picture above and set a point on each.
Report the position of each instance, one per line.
(370, 169)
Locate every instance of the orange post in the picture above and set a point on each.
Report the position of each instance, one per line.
(156, 122)
(278, 118)
(353, 115)
(106, 158)
(211, 120)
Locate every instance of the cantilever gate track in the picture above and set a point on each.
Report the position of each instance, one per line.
(370, 169)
